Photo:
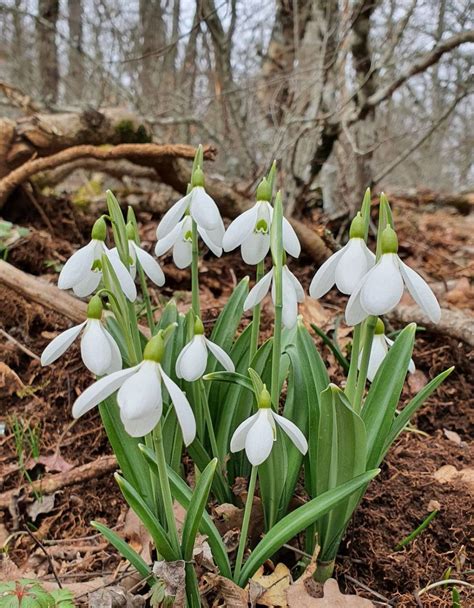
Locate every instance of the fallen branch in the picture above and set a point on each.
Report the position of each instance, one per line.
(86, 472)
(462, 201)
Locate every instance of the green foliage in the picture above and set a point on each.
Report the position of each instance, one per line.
(128, 133)
(27, 593)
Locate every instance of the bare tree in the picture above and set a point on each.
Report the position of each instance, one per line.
(48, 66)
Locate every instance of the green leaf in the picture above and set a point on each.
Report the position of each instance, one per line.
(365, 212)
(341, 456)
(298, 520)
(183, 494)
(229, 319)
(146, 516)
(201, 459)
(404, 416)
(118, 227)
(230, 377)
(125, 550)
(196, 509)
(257, 383)
(333, 346)
(385, 219)
(383, 396)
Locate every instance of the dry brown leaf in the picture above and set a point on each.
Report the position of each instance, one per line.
(417, 381)
(270, 590)
(202, 554)
(55, 463)
(172, 575)
(137, 535)
(454, 437)
(449, 474)
(313, 312)
(44, 504)
(10, 382)
(114, 597)
(231, 594)
(298, 597)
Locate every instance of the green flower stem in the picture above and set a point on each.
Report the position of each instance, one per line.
(164, 487)
(364, 362)
(195, 272)
(245, 523)
(256, 317)
(157, 498)
(146, 299)
(276, 352)
(133, 324)
(208, 418)
(352, 375)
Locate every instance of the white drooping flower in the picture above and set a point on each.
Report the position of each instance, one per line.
(200, 206)
(251, 230)
(180, 239)
(379, 350)
(99, 351)
(139, 395)
(382, 287)
(347, 267)
(192, 360)
(82, 272)
(148, 263)
(292, 293)
(257, 434)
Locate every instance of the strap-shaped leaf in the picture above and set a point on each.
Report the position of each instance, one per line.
(125, 550)
(230, 377)
(383, 396)
(183, 494)
(298, 520)
(196, 509)
(332, 345)
(229, 318)
(146, 516)
(118, 226)
(201, 458)
(404, 416)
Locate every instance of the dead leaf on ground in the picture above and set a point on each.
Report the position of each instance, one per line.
(449, 474)
(137, 535)
(54, 463)
(202, 554)
(461, 295)
(454, 437)
(298, 597)
(417, 381)
(270, 590)
(114, 597)
(313, 312)
(172, 575)
(44, 504)
(227, 591)
(10, 382)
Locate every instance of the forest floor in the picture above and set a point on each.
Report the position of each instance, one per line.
(428, 468)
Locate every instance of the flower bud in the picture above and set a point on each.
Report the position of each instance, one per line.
(389, 242)
(94, 308)
(155, 348)
(379, 327)
(197, 179)
(198, 327)
(130, 230)
(357, 230)
(264, 399)
(264, 191)
(99, 230)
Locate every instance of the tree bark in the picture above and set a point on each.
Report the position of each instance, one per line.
(76, 76)
(48, 66)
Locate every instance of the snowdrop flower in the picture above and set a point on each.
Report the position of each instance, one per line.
(292, 291)
(192, 361)
(347, 267)
(99, 351)
(251, 230)
(139, 395)
(382, 287)
(82, 271)
(180, 239)
(202, 209)
(379, 350)
(257, 434)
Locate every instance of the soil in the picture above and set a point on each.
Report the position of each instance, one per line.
(398, 500)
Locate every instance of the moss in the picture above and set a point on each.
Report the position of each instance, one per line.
(128, 134)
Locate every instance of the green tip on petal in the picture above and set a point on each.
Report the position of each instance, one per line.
(99, 230)
(155, 349)
(130, 229)
(94, 308)
(357, 230)
(264, 399)
(198, 327)
(264, 191)
(197, 179)
(379, 327)
(389, 243)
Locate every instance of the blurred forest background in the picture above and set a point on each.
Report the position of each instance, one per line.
(343, 93)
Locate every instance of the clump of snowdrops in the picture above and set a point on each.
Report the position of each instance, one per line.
(170, 387)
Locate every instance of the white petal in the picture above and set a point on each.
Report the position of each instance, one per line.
(77, 267)
(383, 286)
(239, 229)
(183, 410)
(355, 314)
(237, 442)
(116, 358)
(377, 355)
(258, 291)
(164, 244)
(182, 253)
(204, 210)
(139, 427)
(299, 291)
(95, 348)
(60, 344)
(123, 275)
(260, 438)
(352, 266)
(290, 302)
(216, 235)
(141, 393)
(216, 249)
(150, 266)
(293, 433)
(255, 247)
(220, 354)
(325, 277)
(421, 292)
(172, 216)
(192, 361)
(100, 390)
(291, 243)
(88, 284)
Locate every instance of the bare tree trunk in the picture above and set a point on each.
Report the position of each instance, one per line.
(153, 41)
(48, 12)
(76, 76)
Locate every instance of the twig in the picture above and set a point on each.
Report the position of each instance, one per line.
(369, 590)
(48, 557)
(26, 350)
